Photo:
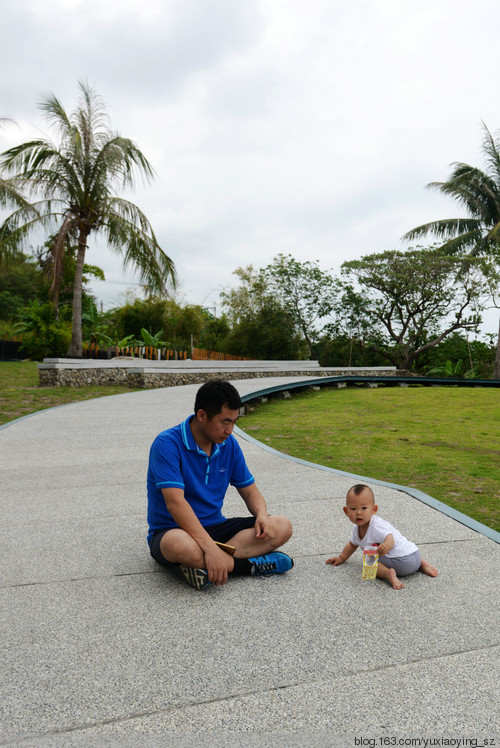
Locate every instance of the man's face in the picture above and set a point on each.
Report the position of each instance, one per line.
(218, 428)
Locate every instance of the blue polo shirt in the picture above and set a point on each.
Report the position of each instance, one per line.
(176, 461)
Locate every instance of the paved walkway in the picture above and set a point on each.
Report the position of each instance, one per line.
(102, 647)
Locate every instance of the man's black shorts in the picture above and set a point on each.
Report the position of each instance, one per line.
(221, 532)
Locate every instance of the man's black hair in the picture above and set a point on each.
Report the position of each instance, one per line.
(215, 395)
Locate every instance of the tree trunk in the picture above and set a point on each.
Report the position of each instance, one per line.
(75, 349)
(58, 263)
(496, 370)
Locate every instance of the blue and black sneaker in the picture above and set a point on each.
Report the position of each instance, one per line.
(271, 563)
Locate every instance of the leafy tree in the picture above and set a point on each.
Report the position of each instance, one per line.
(24, 278)
(306, 292)
(43, 334)
(248, 298)
(73, 183)
(477, 357)
(334, 349)
(261, 327)
(267, 334)
(177, 323)
(190, 321)
(479, 193)
(21, 281)
(214, 334)
(131, 318)
(408, 302)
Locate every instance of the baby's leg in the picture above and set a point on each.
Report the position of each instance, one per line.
(384, 573)
(426, 568)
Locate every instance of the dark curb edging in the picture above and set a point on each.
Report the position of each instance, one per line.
(472, 524)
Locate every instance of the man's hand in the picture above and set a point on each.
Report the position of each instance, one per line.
(257, 506)
(263, 527)
(216, 565)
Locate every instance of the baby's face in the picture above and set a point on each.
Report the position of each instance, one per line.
(360, 509)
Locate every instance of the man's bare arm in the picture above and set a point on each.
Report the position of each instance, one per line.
(257, 506)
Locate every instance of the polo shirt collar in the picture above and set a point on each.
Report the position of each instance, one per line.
(189, 442)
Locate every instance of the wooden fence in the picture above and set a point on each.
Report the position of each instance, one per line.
(145, 351)
(10, 349)
(201, 354)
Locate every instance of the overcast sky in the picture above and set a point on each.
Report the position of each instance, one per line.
(308, 127)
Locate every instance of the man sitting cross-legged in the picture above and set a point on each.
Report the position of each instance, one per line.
(190, 468)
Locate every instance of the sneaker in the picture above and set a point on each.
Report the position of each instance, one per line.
(197, 578)
(271, 563)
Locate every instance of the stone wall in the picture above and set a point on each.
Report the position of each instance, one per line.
(63, 376)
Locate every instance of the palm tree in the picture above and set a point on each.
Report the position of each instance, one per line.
(479, 193)
(73, 183)
(10, 195)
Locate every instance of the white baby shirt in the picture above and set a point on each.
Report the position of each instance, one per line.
(378, 529)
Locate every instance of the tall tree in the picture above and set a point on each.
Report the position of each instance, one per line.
(305, 291)
(261, 327)
(248, 298)
(409, 302)
(479, 193)
(71, 186)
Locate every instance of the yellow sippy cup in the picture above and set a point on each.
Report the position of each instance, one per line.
(370, 562)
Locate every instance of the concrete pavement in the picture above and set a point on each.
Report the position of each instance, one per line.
(102, 647)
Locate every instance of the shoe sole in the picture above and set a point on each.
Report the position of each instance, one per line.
(196, 578)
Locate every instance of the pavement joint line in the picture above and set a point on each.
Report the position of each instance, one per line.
(318, 554)
(78, 579)
(256, 691)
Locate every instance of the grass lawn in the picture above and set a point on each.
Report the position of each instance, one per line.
(444, 441)
(20, 393)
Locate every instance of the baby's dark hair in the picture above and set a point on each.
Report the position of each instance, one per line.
(215, 395)
(359, 488)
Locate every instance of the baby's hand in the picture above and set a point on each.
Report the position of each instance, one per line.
(383, 549)
(334, 560)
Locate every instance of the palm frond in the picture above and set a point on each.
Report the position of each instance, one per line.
(118, 159)
(129, 233)
(28, 158)
(479, 192)
(474, 189)
(56, 115)
(91, 119)
(11, 194)
(17, 227)
(494, 233)
(451, 227)
(472, 242)
(491, 149)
